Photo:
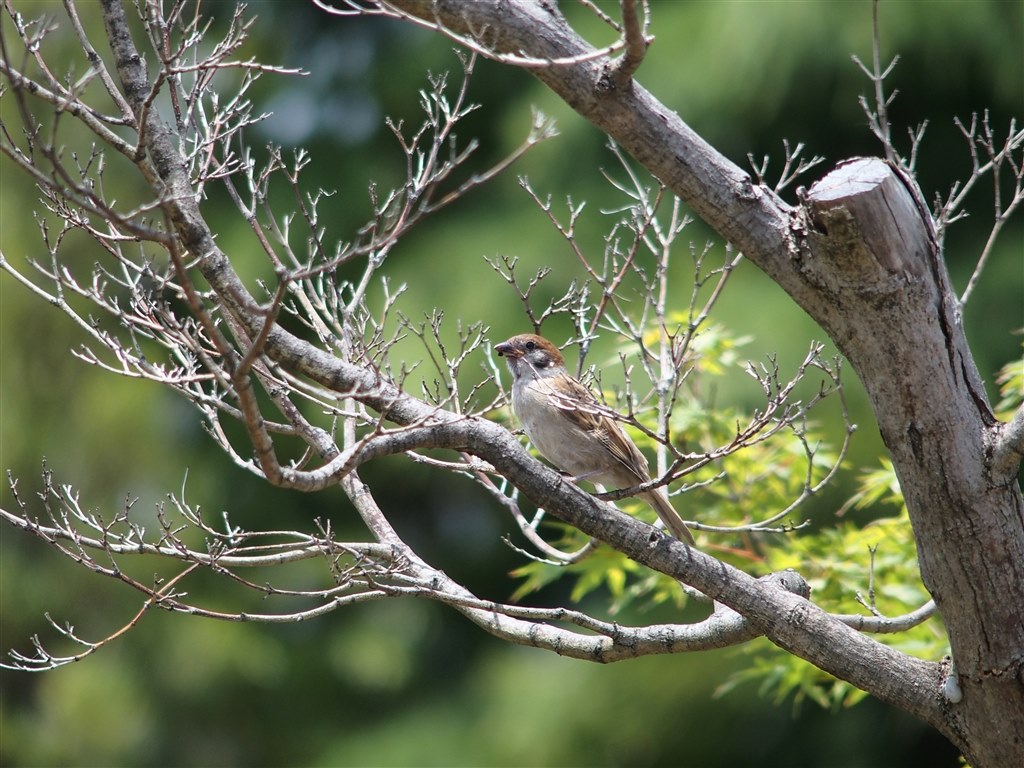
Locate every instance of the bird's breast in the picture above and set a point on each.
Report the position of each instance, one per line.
(558, 438)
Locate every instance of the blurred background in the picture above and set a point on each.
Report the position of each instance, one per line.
(412, 683)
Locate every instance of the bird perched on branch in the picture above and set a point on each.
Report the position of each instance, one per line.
(572, 430)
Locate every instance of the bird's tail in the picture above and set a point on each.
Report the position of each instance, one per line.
(668, 515)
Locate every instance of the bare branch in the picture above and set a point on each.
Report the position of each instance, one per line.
(636, 42)
(878, 117)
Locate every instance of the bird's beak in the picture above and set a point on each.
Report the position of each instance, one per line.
(507, 350)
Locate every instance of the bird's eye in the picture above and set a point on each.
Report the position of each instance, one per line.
(531, 345)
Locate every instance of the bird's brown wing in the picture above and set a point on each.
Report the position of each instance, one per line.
(584, 410)
(581, 407)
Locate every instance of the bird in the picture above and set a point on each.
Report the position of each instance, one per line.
(572, 430)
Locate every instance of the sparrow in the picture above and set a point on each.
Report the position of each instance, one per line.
(572, 430)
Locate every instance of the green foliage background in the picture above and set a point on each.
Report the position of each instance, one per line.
(409, 683)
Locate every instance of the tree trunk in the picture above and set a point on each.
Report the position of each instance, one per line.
(871, 254)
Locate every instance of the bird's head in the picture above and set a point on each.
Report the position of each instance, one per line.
(531, 355)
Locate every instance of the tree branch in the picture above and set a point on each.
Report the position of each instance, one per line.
(636, 45)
